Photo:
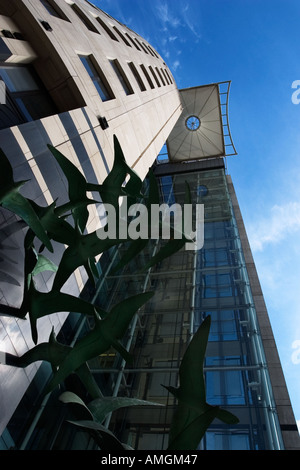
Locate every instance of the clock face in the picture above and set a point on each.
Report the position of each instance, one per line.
(192, 123)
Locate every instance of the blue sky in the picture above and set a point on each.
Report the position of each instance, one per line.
(255, 44)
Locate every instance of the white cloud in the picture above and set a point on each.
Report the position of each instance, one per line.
(190, 22)
(166, 16)
(283, 221)
(296, 354)
(175, 65)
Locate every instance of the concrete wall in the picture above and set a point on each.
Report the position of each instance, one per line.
(142, 122)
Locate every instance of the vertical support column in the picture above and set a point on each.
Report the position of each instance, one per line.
(286, 417)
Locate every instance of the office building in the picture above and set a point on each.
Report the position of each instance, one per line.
(74, 77)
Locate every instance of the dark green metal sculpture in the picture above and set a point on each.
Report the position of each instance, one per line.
(52, 224)
(194, 414)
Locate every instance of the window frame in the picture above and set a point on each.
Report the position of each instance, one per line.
(106, 28)
(118, 69)
(97, 77)
(145, 71)
(137, 76)
(54, 10)
(84, 18)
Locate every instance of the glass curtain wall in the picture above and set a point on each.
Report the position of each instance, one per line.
(189, 286)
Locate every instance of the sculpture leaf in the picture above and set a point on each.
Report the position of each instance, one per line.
(193, 414)
(174, 244)
(104, 438)
(57, 228)
(106, 333)
(115, 184)
(77, 188)
(87, 247)
(41, 304)
(99, 408)
(11, 199)
(136, 246)
(43, 264)
(51, 351)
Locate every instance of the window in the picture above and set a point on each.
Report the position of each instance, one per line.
(169, 76)
(133, 42)
(145, 48)
(26, 98)
(223, 326)
(142, 46)
(98, 78)
(149, 49)
(225, 387)
(147, 75)
(154, 52)
(107, 29)
(165, 75)
(202, 190)
(122, 77)
(53, 9)
(227, 440)
(218, 285)
(84, 19)
(154, 75)
(122, 36)
(137, 76)
(158, 73)
(215, 257)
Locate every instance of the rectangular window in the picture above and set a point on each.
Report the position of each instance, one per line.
(154, 76)
(169, 76)
(142, 46)
(154, 52)
(145, 48)
(229, 440)
(218, 285)
(215, 257)
(107, 29)
(88, 23)
(225, 387)
(26, 98)
(137, 76)
(165, 76)
(223, 326)
(122, 77)
(122, 36)
(97, 78)
(53, 9)
(159, 74)
(147, 75)
(133, 42)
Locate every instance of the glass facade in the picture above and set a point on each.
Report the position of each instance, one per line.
(188, 286)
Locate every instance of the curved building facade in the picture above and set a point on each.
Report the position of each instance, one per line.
(74, 77)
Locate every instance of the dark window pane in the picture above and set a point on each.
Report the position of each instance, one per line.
(99, 82)
(26, 98)
(53, 9)
(122, 77)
